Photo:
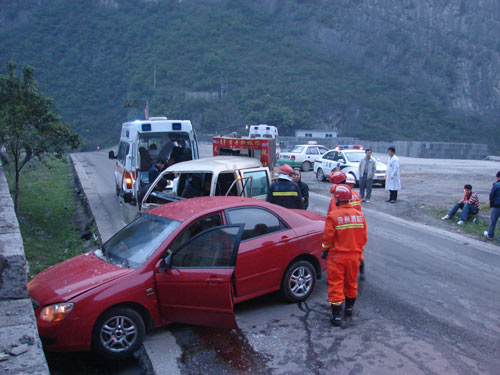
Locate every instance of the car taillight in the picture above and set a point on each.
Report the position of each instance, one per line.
(292, 157)
(317, 161)
(129, 180)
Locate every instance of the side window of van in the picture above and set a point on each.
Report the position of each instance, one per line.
(260, 183)
(123, 149)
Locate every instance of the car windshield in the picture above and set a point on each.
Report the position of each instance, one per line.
(133, 245)
(297, 149)
(354, 157)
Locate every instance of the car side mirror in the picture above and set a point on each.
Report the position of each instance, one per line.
(111, 155)
(161, 266)
(341, 161)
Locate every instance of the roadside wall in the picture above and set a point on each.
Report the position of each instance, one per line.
(433, 150)
(20, 346)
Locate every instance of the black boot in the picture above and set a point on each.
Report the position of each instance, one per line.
(362, 270)
(336, 318)
(349, 303)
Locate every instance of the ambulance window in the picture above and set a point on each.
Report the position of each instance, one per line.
(123, 149)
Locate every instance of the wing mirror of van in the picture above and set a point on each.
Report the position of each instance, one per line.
(129, 198)
(111, 155)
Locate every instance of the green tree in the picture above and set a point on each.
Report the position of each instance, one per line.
(29, 124)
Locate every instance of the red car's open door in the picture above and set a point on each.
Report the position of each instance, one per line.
(195, 285)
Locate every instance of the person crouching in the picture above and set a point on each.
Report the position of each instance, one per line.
(343, 241)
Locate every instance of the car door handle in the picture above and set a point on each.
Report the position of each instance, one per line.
(285, 239)
(214, 280)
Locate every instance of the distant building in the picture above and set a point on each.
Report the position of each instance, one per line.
(311, 133)
(208, 96)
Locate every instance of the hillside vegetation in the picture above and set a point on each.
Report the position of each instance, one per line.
(93, 56)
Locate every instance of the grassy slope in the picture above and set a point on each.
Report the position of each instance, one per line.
(47, 206)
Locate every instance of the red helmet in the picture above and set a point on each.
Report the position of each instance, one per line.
(286, 169)
(337, 177)
(342, 193)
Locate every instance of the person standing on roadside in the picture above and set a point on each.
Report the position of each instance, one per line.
(343, 242)
(392, 177)
(367, 168)
(304, 188)
(495, 209)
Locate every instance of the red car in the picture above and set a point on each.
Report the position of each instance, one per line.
(187, 262)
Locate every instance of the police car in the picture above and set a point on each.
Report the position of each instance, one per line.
(302, 156)
(348, 161)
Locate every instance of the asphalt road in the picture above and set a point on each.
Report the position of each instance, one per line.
(430, 305)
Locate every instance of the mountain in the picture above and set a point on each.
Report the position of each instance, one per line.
(376, 69)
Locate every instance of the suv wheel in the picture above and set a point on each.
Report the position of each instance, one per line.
(320, 175)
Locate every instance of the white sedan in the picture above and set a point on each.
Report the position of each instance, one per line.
(348, 161)
(302, 156)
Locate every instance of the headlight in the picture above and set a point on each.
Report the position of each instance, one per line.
(56, 312)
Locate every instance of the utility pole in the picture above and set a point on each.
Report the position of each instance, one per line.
(154, 77)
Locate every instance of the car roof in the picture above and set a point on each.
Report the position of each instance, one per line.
(311, 146)
(187, 208)
(352, 150)
(215, 164)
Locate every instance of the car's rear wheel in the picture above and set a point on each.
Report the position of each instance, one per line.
(320, 175)
(306, 166)
(299, 281)
(118, 333)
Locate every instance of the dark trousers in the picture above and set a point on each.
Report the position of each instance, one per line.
(393, 195)
(367, 184)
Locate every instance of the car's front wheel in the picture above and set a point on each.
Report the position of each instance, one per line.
(320, 175)
(299, 281)
(306, 166)
(118, 333)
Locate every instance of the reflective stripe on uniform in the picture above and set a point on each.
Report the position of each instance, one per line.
(355, 203)
(285, 194)
(353, 225)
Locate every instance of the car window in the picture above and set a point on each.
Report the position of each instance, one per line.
(297, 149)
(135, 243)
(354, 157)
(329, 155)
(322, 150)
(257, 222)
(224, 182)
(194, 229)
(212, 248)
(260, 183)
(312, 151)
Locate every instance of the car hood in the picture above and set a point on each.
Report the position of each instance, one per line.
(68, 279)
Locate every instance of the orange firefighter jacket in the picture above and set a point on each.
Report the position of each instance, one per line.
(345, 230)
(354, 202)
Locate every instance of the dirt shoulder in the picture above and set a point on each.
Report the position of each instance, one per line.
(430, 188)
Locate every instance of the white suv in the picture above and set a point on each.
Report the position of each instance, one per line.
(348, 160)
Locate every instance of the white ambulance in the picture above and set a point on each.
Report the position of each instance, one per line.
(143, 142)
(265, 131)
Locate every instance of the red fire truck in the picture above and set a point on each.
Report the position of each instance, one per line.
(263, 149)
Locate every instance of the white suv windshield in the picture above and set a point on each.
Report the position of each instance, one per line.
(354, 157)
(135, 243)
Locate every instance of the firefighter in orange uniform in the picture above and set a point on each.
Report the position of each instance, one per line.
(343, 241)
(339, 177)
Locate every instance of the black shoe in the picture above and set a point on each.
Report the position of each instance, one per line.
(389, 200)
(349, 303)
(336, 318)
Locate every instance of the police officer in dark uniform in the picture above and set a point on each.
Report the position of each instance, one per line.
(284, 191)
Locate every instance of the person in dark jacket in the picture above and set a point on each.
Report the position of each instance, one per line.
(156, 169)
(495, 209)
(304, 188)
(284, 191)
